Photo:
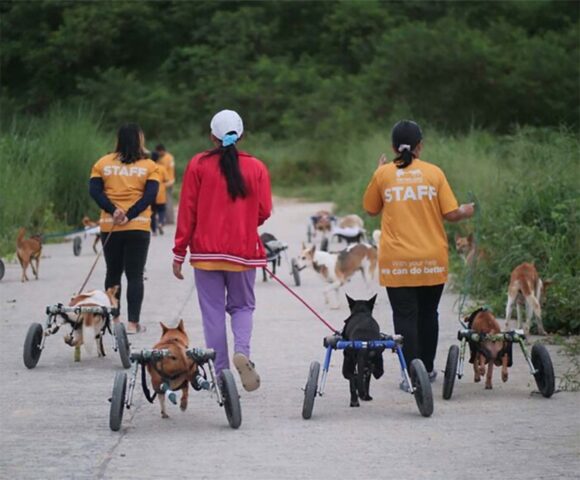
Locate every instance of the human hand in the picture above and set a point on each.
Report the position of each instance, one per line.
(177, 270)
(382, 160)
(467, 210)
(119, 217)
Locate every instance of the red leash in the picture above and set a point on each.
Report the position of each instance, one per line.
(316, 314)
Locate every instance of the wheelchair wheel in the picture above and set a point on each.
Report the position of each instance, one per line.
(324, 244)
(123, 345)
(423, 393)
(309, 233)
(117, 401)
(295, 272)
(77, 246)
(544, 370)
(2, 269)
(231, 399)
(310, 390)
(450, 371)
(32, 350)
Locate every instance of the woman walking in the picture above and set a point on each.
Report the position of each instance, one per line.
(414, 198)
(124, 184)
(225, 196)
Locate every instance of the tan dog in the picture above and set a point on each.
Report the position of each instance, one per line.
(526, 288)
(488, 352)
(177, 370)
(351, 221)
(88, 223)
(28, 252)
(92, 324)
(468, 249)
(338, 268)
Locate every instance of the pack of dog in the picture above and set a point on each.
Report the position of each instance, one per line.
(360, 365)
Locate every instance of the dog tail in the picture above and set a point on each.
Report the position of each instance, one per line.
(20, 236)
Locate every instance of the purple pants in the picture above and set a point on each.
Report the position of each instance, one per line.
(219, 292)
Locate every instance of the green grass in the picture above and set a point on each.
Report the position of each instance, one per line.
(526, 185)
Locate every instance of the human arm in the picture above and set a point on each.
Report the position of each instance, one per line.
(373, 199)
(186, 216)
(265, 205)
(149, 194)
(97, 192)
(464, 212)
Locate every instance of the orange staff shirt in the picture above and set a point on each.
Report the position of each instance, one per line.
(413, 250)
(163, 179)
(168, 162)
(124, 185)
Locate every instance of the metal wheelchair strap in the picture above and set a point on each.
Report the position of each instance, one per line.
(533, 370)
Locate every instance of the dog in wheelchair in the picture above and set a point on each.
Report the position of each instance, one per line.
(359, 365)
(91, 325)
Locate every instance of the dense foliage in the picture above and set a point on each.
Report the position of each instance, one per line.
(296, 68)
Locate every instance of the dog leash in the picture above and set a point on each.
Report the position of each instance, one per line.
(301, 300)
(96, 260)
(472, 266)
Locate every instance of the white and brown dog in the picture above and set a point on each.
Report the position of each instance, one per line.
(526, 288)
(91, 324)
(338, 268)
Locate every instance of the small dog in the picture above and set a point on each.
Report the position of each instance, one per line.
(28, 252)
(177, 370)
(466, 247)
(526, 288)
(322, 222)
(488, 352)
(92, 324)
(89, 225)
(351, 221)
(338, 268)
(377, 238)
(359, 365)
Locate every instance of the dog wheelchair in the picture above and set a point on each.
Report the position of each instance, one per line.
(539, 362)
(274, 249)
(224, 389)
(77, 243)
(59, 316)
(416, 375)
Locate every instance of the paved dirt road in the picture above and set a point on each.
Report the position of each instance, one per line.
(54, 419)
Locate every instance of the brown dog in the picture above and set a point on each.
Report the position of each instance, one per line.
(176, 370)
(468, 249)
(526, 288)
(322, 222)
(488, 352)
(28, 252)
(88, 223)
(92, 324)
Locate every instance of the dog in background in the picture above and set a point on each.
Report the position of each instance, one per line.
(338, 268)
(176, 370)
(526, 288)
(322, 222)
(488, 353)
(359, 365)
(351, 221)
(91, 324)
(90, 224)
(28, 251)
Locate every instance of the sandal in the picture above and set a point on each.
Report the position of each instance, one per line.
(138, 328)
(246, 369)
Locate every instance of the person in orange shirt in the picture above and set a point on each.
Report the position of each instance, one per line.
(124, 184)
(414, 198)
(167, 160)
(159, 206)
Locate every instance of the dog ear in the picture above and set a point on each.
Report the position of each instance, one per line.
(351, 302)
(163, 328)
(371, 302)
(180, 325)
(112, 291)
(313, 249)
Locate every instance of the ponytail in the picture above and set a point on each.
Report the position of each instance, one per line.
(405, 158)
(405, 136)
(230, 169)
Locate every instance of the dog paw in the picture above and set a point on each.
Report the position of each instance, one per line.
(488, 387)
(183, 406)
(355, 404)
(477, 379)
(504, 378)
(164, 415)
(366, 398)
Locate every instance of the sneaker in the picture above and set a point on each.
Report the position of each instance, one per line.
(133, 328)
(247, 370)
(404, 386)
(432, 376)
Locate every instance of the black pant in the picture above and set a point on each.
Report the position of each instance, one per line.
(416, 318)
(127, 252)
(157, 216)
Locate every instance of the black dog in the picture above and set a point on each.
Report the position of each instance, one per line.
(359, 365)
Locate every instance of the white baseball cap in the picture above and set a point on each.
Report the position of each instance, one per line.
(225, 122)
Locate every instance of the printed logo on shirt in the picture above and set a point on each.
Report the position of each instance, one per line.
(410, 192)
(124, 171)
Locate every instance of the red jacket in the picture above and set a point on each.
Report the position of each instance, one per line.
(211, 224)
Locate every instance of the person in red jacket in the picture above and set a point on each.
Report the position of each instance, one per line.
(225, 196)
